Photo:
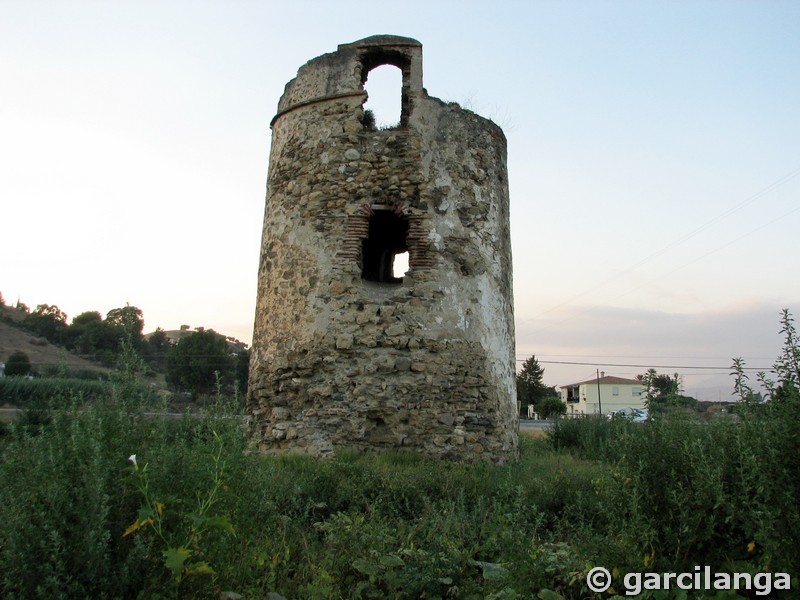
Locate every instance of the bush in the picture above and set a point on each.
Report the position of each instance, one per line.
(18, 365)
(551, 407)
(368, 120)
(61, 371)
(62, 510)
(67, 498)
(682, 487)
(591, 437)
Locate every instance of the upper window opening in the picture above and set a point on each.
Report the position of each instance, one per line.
(386, 241)
(383, 108)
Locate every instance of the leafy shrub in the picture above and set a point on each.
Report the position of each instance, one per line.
(18, 364)
(551, 407)
(60, 507)
(682, 489)
(368, 120)
(591, 437)
(66, 499)
(61, 371)
(182, 532)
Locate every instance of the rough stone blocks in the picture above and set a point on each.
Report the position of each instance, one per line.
(347, 353)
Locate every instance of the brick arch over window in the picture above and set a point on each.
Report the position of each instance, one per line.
(386, 238)
(356, 245)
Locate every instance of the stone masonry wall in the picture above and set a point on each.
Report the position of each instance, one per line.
(342, 362)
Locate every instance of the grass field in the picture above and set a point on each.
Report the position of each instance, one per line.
(196, 514)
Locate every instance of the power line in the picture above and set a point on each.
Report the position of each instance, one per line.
(763, 192)
(640, 366)
(733, 241)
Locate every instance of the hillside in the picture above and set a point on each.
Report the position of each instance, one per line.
(41, 352)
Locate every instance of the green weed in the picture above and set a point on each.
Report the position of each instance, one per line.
(660, 496)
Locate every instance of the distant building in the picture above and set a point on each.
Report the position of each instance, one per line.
(602, 395)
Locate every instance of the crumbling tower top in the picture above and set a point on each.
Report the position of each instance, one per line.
(328, 77)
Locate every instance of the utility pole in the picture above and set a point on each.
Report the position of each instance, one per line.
(599, 401)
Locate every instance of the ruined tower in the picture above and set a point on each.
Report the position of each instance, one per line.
(345, 353)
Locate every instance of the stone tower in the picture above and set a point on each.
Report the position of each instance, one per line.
(345, 353)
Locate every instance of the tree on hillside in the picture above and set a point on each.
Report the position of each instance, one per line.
(85, 332)
(48, 321)
(128, 321)
(154, 350)
(18, 364)
(530, 384)
(100, 339)
(195, 361)
(94, 338)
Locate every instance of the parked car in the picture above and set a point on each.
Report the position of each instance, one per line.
(637, 415)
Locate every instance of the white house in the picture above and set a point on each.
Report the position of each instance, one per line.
(601, 395)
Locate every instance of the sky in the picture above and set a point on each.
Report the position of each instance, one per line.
(653, 158)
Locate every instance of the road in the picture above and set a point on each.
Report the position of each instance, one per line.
(531, 425)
